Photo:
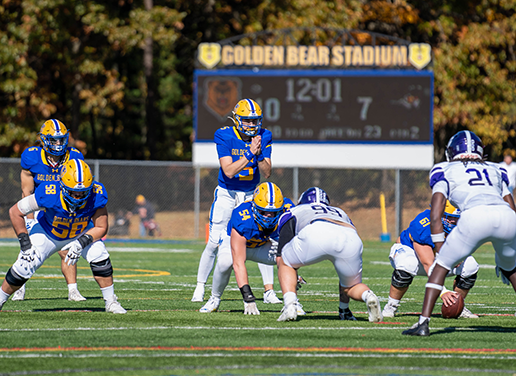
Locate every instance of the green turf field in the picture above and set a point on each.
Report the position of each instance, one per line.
(164, 334)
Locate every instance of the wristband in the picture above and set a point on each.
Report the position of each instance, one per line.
(260, 157)
(24, 240)
(436, 238)
(247, 294)
(85, 240)
(248, 155)
(444, 291)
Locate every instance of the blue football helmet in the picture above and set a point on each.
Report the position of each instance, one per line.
(250, 111)
(314, 195)
(450, 217)
(267, 205)
(76, 183)
(464, 144)
(54, 137)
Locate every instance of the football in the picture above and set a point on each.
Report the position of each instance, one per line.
(453, 311)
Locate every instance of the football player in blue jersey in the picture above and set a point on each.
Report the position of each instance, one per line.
(244, 152)
(73, 218)
(41, 165)
(251, 235)
(413, 254)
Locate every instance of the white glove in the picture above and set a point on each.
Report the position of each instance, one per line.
(273, 251)
(501, 275)
(251, 309)
(28, 258)
(74, 252)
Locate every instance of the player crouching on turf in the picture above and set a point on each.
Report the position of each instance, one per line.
(63, 223)
(413, 254)
(312, 232)
(251, 235)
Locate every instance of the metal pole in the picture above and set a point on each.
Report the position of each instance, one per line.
(97, 170)
(197, 199)
(398, 204)
(295, 184)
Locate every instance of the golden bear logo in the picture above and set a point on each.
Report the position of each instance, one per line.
(221, 94)
(208, 54)
(420, 54)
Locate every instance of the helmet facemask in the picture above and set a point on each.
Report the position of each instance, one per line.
(247, 116)
(76, 183)
(54, 137)
(267, 205)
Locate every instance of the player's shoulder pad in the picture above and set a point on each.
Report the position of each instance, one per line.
(100, 193)
(288, 204)
(223, 132)
(47, 194)
(437, 173)
(73, 153)
(30, 157)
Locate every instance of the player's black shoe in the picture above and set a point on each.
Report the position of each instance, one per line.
(418, 330)
(346, 314)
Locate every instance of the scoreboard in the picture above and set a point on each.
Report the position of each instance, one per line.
(322, 106)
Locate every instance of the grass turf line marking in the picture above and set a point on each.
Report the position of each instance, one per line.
(146, 272)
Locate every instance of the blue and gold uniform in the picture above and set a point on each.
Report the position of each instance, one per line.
(418, 231)
(57, 222)
(230, 143)
(34, 160)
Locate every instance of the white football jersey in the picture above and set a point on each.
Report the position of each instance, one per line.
(308, 213)
(469, 184)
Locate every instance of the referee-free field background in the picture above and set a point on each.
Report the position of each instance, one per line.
(164, 334)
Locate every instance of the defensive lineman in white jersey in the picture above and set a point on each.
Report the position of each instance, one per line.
(480, 190)
(312, 232)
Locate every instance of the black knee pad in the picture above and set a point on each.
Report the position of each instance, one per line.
(401, 278)
(102, 268)
(467, 282)
(14, 279)
(508, 273)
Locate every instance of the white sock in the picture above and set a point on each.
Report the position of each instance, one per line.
(394, 302)
(108, 293)
(289, 298)
(343, 305)
(423, 318)
(365, 295)
(200, 284)
(3, 296)
(72, 286)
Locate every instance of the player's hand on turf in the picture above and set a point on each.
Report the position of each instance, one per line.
(251, 309)
(74, 252)
(449, 298)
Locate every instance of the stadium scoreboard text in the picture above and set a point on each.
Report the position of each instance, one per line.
(322, 106)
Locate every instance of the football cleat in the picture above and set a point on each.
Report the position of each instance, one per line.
(418, 330)
(289, 313)
(467, 314)
(211, 306)
(267, 205)
(248, 111)
(198, 295)
(373, 308)
(464, 145)
(75, 296)
(269, 297)
(112, 306)
(54, 137)
(390, 310)
(19, 294)
(299, 308)
(76, 183)
(314, 195)
(346, 314)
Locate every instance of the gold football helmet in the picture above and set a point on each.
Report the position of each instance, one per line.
(450, 217)
(248, 111)
(54, 137)
(76, 182)
(267, 205)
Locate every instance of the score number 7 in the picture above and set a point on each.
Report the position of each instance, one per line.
(366, 102)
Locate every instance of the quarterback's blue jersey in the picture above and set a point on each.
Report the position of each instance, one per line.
(418, 231)
(242, 220)
(57, 222)
(35, 160)
(229, 143)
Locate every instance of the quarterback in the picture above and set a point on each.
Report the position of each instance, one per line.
(252, 234)
(41, 165)
(314, 231)
(479, 189)
(72, 217)
(244, 152)
(413, 255)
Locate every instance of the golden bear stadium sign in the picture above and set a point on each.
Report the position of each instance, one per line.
(418, 55)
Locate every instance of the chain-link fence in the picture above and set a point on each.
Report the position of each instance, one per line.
(182, 194)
